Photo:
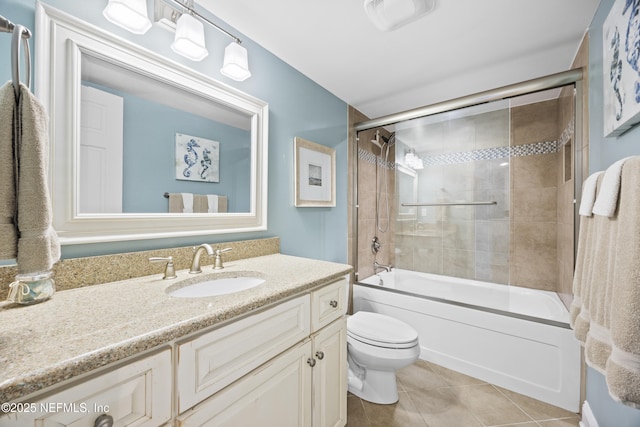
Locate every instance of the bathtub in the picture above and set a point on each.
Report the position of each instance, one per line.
(513, 337)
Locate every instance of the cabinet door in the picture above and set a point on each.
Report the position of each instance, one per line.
(212, 361)
(278, 394)
(330, 375)
(137, 394)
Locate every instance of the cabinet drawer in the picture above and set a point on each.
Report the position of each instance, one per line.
(135, 394)
(328, 303)
(278, 394)
(211, 362)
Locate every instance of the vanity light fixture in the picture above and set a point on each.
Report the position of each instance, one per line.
(236, 64)
(189, 39)
(128, 14)
(388, 15)
(412, 160)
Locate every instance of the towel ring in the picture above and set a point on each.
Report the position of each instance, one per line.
(20, 33)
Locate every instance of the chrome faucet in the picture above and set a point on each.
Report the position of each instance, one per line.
(377, 266)
(195, 263)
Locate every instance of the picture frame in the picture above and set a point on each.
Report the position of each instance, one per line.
(621, 63)
(197, 159)
(315, 174)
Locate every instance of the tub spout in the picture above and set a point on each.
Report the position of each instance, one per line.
(378, 266)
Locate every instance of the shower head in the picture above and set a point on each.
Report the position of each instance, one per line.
(385, 141)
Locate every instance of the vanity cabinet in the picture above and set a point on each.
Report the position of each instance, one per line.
(281, 366)
(305, 386)
(137, 394)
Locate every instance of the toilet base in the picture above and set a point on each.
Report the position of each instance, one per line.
(377, 387)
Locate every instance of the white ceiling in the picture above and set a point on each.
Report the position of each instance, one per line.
(462, 47)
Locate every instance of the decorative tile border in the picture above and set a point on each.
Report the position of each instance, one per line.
(371, 158)
(533, 149)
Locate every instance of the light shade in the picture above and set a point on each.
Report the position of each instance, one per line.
(128, 14)
(236, 64)
(189, 41)
(389, 15)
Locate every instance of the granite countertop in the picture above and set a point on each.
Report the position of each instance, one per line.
(80, 330)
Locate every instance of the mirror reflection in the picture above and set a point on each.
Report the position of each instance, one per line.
(151, 146)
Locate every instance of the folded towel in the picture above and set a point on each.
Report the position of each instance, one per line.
(605, 313)
(200, 203)
(212, 203)
(175, 203)
(9, 240)
(607, 199)
(187, 202)
(38, 246)
(589, 194)
(623, 367)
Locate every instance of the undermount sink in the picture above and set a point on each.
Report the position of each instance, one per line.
(213, 286)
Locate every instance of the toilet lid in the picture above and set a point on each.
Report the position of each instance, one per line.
(380, 330)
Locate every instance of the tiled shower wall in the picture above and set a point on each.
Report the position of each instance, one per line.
(462, 164)
(534, 202)
(372, 191)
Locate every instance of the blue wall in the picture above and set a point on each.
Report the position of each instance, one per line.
(297, 107)
(602, 153)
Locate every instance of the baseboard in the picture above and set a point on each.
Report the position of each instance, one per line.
(588, 419)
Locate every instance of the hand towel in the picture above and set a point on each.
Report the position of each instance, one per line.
(213, 203)
(607, 199)
(200, 204)
(38, 246)
(9, 240)
(187, 202)
(589, 194)
(175, 203)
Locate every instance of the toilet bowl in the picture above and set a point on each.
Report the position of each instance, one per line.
(377, 346)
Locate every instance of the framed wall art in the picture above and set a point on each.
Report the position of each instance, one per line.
(621, 63)
(315, 174)
(197, 159)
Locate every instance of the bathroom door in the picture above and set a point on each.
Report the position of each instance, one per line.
(101, 126)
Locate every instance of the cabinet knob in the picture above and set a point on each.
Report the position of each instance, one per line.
(103, 420)
(311, 361)
(333, 303)
(320, 355)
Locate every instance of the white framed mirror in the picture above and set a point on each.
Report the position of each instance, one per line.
(124, 122)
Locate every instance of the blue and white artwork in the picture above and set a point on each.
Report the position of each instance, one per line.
(621, 63)
(197, 159)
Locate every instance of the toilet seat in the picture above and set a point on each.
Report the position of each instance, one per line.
(380, 330)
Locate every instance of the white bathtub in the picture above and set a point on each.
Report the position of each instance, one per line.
(513, 337)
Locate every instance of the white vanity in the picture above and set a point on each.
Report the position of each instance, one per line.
(274, 355)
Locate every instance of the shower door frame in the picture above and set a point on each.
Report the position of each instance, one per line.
(552, 81)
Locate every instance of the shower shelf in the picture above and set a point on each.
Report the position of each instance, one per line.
(451, 204)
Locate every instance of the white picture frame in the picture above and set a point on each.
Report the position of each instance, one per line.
(315, 174)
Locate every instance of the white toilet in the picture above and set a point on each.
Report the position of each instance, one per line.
(378, 345)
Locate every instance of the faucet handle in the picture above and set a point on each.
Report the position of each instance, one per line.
(217, 264)
(169, 270)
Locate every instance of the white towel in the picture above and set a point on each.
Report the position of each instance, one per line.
(213, 203)
(187, 202)
(589, 194)
(607, 199)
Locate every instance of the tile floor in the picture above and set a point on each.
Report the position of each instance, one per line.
(433, 396)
